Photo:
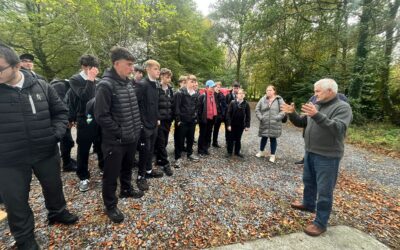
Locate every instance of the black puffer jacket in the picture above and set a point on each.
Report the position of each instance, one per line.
(32, 120)
(147, 93)
(165, 103)
(185, 106)
(116, 109)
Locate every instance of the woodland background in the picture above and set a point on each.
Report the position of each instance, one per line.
(288, 43)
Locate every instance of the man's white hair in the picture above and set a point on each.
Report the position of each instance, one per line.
(327, 83)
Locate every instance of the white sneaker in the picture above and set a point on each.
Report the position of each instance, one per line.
(272, 158)
(178, 163)
(84, 185)
(260, 154)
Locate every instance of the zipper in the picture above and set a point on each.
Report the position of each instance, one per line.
(32, 104)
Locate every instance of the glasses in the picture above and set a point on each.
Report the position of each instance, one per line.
(2, 69)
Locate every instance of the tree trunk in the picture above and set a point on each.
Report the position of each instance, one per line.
(362, 52)
(390, 43)
(238, 63)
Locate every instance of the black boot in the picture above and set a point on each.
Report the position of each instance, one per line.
(65, 217)
(29, 244)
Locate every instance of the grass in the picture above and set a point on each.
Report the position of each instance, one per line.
(381, 137)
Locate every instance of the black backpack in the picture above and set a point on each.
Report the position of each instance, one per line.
(61, 86)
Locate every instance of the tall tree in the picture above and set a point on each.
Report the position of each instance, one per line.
(231, 19)
(362, 50)
(390, 43)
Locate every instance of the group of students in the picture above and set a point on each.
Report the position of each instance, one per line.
(119, 116)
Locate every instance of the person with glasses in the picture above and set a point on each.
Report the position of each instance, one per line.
(33, 119)
(27, 64)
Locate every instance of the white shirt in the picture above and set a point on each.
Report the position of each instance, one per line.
(84, 76)
(20, 83)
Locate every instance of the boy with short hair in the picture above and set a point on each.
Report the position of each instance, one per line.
(147, 92)
(165, 109)
(185, 108)
(237, 120)
(83, 87)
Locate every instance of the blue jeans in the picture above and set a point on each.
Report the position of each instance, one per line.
(319, 179)
(264, 141)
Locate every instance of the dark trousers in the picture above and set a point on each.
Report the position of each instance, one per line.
(66, 144)
(186, 131)
(319, 179)
(86, 136)
(162, 142)
(234, 138)
(15, 187)
(118, 162)
(205, 136)
(217, 125)
(273, 141)
(147, 140)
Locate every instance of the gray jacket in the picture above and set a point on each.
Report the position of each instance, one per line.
(270, 117)
(325, 131)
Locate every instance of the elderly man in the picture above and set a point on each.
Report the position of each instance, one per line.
(32, 120)
(326, 123)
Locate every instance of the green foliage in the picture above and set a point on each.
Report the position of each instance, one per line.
(59, 32)
(382, 135)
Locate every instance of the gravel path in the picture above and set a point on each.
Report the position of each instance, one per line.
(219, 201)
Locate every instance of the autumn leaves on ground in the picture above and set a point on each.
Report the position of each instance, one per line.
(221, 201)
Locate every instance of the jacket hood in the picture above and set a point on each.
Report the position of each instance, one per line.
(29, 79)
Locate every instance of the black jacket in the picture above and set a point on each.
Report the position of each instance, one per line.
(230, 97)
(165, 102)
(238, 114)
(32, 120)
(202, 106)
(116, 109)
(221, 104)
(147, 93)
(84, 90)
(185, 106)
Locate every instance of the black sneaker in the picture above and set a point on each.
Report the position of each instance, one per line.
(301, 162)
(70, 167)
(131, 193)
(239, 155)
(65, 217)
(29, 244)
(115, 215)
(167, 169)
(228, 155)
(193, 158)
(216, 145)
(155, 173)
(142, 184)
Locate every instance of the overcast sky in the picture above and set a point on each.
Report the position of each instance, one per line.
(203, 5)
